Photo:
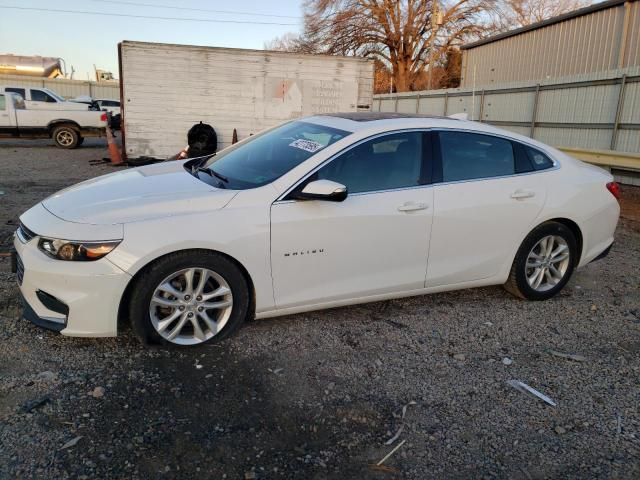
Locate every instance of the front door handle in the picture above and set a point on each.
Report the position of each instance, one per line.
(521, 194)
(411, 206)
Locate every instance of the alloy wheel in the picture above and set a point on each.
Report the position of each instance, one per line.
(191, 306)
(547, 263)
(64, 138)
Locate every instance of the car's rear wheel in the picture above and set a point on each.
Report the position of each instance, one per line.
(189, 298)
(544, 262)
(66, 137)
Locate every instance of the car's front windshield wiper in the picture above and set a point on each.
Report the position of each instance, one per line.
(217, 175)
(209, 171)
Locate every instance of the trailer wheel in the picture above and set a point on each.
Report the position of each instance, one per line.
(65, 136)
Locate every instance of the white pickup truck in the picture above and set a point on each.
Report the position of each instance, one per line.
(43, 99)
(67, 128)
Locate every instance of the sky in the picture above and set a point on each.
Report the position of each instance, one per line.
(84, 40)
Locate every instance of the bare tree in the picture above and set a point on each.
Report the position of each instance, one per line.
(510, 14)
(289, 42)
(405, 35)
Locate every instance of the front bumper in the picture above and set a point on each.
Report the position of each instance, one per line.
(74, 298)
(30, 314)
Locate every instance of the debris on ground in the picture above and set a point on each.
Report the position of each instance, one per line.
(97, 392)
(507, 361)
(388, 455)
(71, 443)
(27, 407)
(47, 376)
(524, 388)
(401, 428)
(568, 356)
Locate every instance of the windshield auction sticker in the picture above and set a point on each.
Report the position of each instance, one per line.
(306, 145)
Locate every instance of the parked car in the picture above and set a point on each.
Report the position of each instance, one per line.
(43, 99)
(322, 212)
(112, 106)
(104, 104)
(67, 128)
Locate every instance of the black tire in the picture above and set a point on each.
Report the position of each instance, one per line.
(66, 136)
(152, 275)
(517, 283)
(202, 140)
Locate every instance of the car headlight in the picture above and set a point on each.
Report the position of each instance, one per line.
(76, 251)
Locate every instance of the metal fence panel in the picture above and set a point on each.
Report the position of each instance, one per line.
(588, 138)
(515, 107)
(628, 141)
(630, 111)
(406, 105)
(592, 111)
(434, 105)
(594, 104)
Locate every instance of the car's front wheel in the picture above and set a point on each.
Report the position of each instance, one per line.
(189, 298)
(544, 262)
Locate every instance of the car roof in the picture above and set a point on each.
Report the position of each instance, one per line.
(375, 122)
(374, 116)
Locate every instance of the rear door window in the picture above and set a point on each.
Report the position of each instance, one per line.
(469, 156)
(19, 91)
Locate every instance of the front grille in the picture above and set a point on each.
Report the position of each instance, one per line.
(24, 234)
(19, 270)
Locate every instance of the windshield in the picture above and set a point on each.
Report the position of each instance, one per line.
(270, 155)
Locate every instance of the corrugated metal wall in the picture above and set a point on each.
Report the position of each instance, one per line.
(597, 111)
(65, 88)
(602, 40)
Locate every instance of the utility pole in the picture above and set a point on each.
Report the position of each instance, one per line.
(436, 21)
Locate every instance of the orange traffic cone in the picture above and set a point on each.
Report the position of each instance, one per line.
(114, 151)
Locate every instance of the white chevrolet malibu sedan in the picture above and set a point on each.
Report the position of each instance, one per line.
(326, 211)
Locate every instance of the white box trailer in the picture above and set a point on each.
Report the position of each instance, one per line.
(166, 89)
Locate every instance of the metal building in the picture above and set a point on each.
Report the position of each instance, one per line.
(603, 36)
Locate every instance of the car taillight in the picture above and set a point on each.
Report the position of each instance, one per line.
(614, 188)
(103, 117)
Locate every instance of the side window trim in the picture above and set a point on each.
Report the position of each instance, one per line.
(518, 148)
(285, 197)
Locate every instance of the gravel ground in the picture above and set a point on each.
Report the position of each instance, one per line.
(317, 395)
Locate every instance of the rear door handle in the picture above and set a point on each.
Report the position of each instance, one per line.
(520, 194)
(411, 206)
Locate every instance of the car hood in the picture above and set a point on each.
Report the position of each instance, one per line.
(160, 190)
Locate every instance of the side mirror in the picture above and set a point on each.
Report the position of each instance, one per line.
(322, 190)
